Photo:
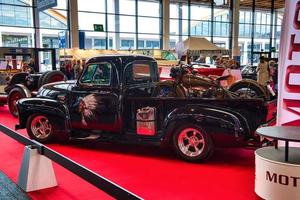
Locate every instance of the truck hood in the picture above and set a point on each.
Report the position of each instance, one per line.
(51, 90)
(62, 85)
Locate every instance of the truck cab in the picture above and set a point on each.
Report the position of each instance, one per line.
(98, 96)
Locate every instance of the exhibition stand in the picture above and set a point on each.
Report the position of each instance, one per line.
(277, 169)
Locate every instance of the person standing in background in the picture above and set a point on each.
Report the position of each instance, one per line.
(68, 68)
(74, 63)
(77, 69)
(31, 64)
(83, 62)
(8, 66)
(262, 71)
(26, 68)
(272, 69)
(63, 67)
(273, 73)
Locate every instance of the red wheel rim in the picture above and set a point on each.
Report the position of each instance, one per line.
(13, 102)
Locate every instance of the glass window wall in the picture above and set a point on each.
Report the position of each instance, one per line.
(124, 21)
(179, 21)
(222, 26)
(259, 31)
(53, 23)
(204, 20)
(130, 24)
(16, 23)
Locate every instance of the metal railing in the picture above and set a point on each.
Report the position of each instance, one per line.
(93, 178)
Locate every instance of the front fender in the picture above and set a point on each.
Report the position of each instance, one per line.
(206, 116)
(56, 109)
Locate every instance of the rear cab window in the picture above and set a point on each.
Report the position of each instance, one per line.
(140, 72)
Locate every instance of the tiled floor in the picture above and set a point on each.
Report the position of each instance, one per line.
(9, 190)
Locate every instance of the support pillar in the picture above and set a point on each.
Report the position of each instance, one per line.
(73, 24)
(166, 24)
(117, 25)
(180, 21)
(1, 39)
(235, 30)
(36, 22)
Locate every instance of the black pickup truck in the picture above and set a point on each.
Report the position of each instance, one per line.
(113, 99)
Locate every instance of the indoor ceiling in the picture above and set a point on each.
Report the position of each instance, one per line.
(263, 3)
(267, 4)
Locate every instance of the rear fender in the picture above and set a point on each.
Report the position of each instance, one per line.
(52, 108)
(205, 116)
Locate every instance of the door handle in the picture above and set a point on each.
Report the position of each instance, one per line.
(102, 92)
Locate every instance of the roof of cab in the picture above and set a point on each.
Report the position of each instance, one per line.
(122, 56)
(120, 60)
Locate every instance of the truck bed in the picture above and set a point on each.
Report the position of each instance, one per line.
(256, 111)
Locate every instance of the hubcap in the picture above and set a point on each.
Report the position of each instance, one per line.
(41, 127)
(191, 142)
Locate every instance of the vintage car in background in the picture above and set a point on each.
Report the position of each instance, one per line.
(23, 85)
(115, 99)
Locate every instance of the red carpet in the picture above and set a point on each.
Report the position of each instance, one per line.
(149, 172)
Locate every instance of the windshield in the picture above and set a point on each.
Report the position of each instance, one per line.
(97, 74)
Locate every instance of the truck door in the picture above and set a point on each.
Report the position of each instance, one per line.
(95, 99)
(139, 78)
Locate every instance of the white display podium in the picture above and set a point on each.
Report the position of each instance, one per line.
(275, 179)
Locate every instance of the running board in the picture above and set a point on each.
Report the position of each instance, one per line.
(90, 137)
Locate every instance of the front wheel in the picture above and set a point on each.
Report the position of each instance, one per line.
(192, 143)
(40, 128)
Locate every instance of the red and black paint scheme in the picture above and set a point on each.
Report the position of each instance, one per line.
(108, 97)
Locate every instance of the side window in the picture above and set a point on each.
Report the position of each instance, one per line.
(97, 74)
(140, 72)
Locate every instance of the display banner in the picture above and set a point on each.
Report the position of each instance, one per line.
(62, 37)
(289, 67)
(45, 4)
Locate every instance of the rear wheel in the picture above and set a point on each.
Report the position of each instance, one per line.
(15, 95)
(53, 76)
(192, 143)
(248, 90)
(41, 79)
(40, 128)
